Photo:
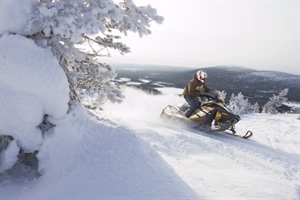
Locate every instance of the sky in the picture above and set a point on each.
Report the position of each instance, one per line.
(261, 35)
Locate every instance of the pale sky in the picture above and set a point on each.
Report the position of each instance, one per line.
(258, 34)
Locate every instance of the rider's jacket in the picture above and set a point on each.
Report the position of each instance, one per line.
(194, 87)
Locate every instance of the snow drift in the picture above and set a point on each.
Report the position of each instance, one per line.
(15, 16)
(85, 158)
(81, 157)
(126, 151)
(32, 85)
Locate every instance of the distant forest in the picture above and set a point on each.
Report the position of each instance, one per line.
(257, 86)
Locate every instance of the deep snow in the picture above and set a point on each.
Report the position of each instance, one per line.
(84, 158)
(32, 84)
(126, 151)
(219, 166)
(81, 157)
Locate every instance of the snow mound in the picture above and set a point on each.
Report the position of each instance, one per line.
(83, 158)
(9, 156)
(15, 15)
(32, 85)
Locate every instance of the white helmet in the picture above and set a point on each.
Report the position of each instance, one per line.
(201, 75)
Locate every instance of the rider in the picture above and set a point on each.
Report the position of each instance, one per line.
(192, 91)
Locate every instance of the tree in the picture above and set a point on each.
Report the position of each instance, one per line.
(275, 102)
(80, 32)
(240, 105)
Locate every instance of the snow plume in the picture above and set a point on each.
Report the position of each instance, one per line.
(142, 107)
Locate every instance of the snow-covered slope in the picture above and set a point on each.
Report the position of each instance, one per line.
(220, 166)
(127, 152)
(87, 159)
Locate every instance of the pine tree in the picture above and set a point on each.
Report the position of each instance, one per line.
(275, 102)
(255, 108)
(81, 32)
(240, 105)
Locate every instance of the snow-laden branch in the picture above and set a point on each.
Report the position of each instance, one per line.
(81, 32)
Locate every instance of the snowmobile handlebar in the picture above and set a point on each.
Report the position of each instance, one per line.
(207, 94)
(215, 95)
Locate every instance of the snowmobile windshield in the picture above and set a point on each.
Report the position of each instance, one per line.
(218, 96)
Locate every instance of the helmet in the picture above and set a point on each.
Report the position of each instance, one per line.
(201, 75)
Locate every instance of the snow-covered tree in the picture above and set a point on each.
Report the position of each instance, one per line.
(49, 48)
(255, 108)
(240, 105)
(276, 101)
(80, 32)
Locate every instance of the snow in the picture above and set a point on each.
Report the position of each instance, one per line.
(122, 79)
(126, 151)
(35, 72)
(9, 156)
(293, 104)
(16, 21)
(82, 156)
(32, 85)
(134, 83)
(145, 80)
(219, 166)
(101, 161)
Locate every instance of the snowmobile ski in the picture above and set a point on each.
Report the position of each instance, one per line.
(245, 136)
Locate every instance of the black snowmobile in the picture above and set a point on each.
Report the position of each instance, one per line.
(213, 115)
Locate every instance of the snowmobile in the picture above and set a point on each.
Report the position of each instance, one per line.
(213, 115)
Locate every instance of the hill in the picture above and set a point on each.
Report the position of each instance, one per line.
(257, 86)
(127, 152)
